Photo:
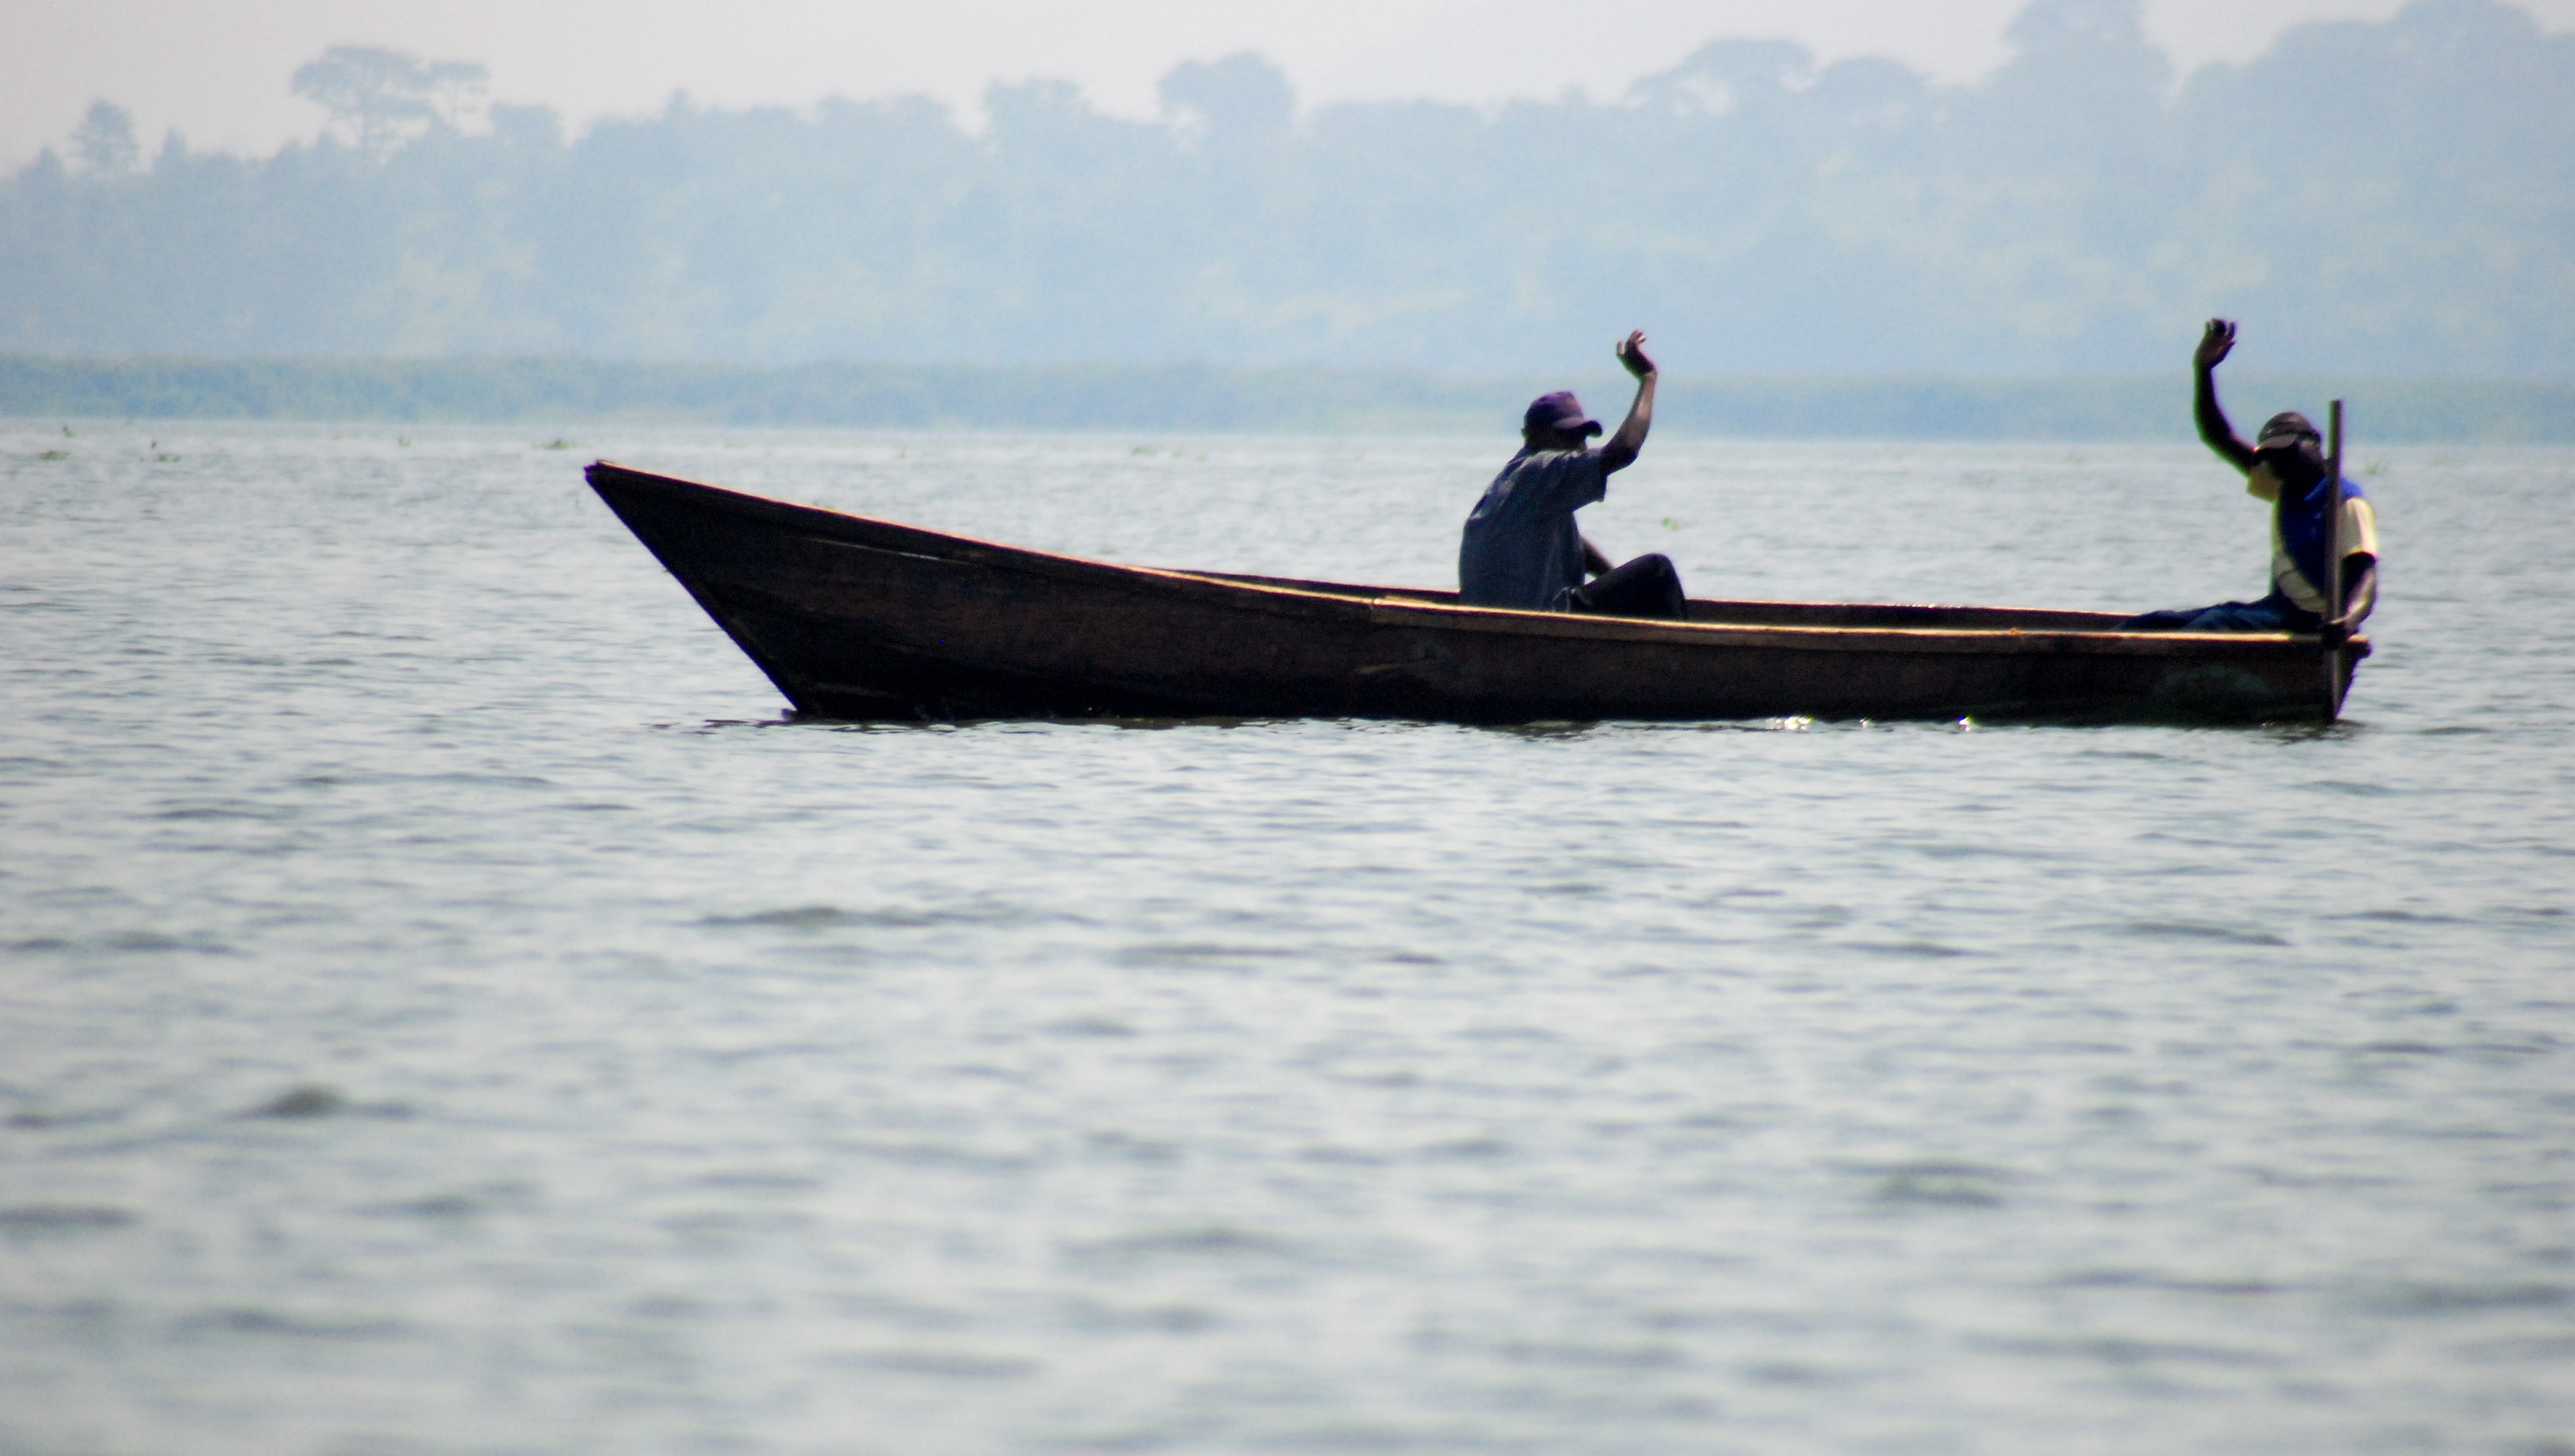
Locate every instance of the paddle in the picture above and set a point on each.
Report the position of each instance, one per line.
(2333, 556)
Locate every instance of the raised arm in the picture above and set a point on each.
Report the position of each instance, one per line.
(2214, 344)
(1619, 450)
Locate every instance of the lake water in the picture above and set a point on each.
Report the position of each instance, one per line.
(446, 1005)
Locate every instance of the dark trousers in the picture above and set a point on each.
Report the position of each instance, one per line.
(1645, 587)
(2275, 613)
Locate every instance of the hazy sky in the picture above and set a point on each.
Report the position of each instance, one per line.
(217, 70)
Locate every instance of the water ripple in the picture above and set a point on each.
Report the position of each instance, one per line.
(45, 1219)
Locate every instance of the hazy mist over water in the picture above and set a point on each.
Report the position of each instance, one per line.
(448, 1007)
(2388, 198)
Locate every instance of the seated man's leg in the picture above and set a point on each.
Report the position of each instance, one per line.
(2176, 620)
(1649, 585)
(2274, 613)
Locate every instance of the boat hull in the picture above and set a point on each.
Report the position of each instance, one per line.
(859, 619)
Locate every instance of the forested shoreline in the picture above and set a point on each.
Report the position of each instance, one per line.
(563, 391)
(2391, 199)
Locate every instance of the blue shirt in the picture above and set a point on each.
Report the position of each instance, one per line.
(1521, 549)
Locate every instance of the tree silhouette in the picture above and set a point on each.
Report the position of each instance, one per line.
(105, 141)
(381, 97)
(1241, 98)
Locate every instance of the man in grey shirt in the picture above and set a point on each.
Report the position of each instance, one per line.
(1521, 549)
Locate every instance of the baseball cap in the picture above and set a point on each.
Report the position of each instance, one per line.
(2284, 429)
(1559, 411)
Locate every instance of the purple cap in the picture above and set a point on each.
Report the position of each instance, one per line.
(1559, 411)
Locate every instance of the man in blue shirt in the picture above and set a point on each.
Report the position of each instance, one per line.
(2286, 466)
(1521, 549)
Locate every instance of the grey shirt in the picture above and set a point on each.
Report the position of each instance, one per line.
(1521, 549)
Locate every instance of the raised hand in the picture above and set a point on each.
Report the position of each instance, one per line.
(2215, 343)
(1632, 353)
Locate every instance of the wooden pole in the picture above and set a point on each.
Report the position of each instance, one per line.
(2333, 556)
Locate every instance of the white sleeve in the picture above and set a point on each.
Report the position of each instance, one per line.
(2359, 533)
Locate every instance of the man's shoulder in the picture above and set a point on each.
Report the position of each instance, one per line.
(1557, 458)
(1552, 463)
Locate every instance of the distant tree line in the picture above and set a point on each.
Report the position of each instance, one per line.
(558, 392)
(2394, 199)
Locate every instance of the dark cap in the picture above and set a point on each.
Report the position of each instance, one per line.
(1559, 411)
(2283, 431)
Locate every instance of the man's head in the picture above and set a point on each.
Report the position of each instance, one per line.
(1557, 422)
(2292, 446)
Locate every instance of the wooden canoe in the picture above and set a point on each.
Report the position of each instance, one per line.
(862, 619)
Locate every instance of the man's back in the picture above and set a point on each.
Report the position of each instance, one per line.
(1521, 549)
